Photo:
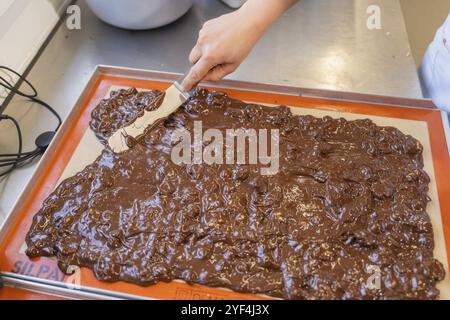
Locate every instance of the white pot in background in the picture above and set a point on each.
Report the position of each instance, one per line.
(139, 14)
(235, 4)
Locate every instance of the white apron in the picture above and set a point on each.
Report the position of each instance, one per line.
(435, 68)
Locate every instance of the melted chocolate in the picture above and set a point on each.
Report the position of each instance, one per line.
(123, 107)
(350, 197)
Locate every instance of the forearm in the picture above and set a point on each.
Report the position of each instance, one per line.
(264, 13)
(226, 41)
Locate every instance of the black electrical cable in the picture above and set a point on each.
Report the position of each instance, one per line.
(33, 97)
(14, 154)
(19, 134)
(20, 159)
(8, 85)
(8, 162)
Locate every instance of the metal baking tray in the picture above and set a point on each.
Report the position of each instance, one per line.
(42, 275)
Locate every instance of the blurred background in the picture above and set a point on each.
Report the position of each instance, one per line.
(422, 19)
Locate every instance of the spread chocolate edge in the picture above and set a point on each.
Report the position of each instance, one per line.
(344, 218)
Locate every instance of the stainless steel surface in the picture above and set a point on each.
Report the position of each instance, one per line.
(320, 44)
(139, 14)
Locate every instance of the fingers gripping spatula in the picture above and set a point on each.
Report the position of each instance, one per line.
(173, 99)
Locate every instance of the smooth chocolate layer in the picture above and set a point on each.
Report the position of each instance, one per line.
(350, 199)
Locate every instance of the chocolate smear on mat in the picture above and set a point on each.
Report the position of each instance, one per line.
(345, 217)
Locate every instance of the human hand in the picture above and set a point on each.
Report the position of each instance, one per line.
(225, 42)
(222, 45)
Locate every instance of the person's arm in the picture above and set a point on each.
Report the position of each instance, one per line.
(225, 42)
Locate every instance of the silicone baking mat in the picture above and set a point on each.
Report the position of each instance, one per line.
(7, 293)
(77, 147)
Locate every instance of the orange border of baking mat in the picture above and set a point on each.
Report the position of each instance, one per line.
(8, 293)
(12, 261)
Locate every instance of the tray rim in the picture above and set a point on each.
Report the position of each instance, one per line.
(44, 285)
(61, 289)
(272, 88)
